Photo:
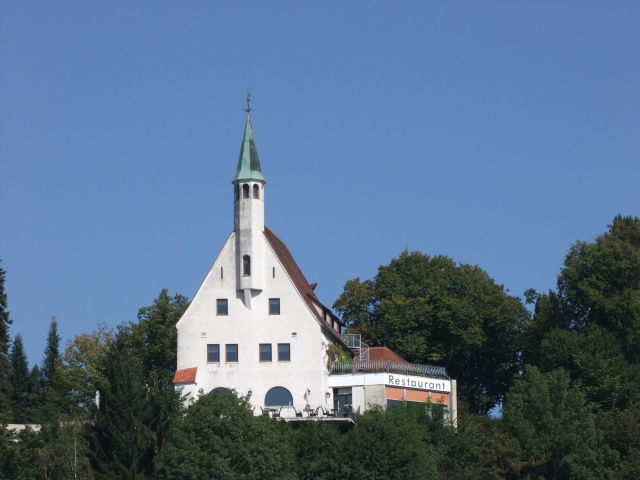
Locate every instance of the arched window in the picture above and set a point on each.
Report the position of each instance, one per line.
(256, 191)
(218, 392)
(245, 191)
(236, 191)
(246, 266)
(278, 397)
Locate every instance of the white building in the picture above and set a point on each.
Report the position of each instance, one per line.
(256, 326)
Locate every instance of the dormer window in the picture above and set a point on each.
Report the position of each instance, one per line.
(256, 191)
(246, 266)
(245, 191)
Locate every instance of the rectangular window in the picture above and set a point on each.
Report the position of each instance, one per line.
(213, 353)
(232, 352)
(284, 352)
(265, 352)
(274, 306)
(222, 306)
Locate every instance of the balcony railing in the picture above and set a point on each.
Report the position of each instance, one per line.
(376, 366)
(308, 412)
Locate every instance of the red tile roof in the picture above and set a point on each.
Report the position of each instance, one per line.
(384, 354)
(300, 282)
(186, 375)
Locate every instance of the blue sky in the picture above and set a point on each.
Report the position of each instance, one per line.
(496, 133)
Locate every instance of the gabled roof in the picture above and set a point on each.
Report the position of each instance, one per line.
(301, 283)
(248, 164)
(384, 354)
(186, 375)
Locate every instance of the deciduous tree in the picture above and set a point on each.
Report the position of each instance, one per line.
(432, 310)
(82, 364)
(220, 438)
(555, 429)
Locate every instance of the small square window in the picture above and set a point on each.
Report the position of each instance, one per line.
(222, 306)
(232, 352)
(274, 306)
(284, 352)
(265, 352)
(213, 353)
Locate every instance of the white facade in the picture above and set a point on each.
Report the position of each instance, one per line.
(256, 326)
(303, 327)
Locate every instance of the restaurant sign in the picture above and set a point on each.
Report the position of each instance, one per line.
(419, 383)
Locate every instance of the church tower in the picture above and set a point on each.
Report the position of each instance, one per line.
(248, 217)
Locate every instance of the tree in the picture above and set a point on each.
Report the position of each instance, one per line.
(432, 310)
(595, 359)
(82, 364)
(51, 395)
(155, 333)
(555, 430)
(5, 365)
(134, 414)
(20, 381)
(621, 430)
(221, 438)
(591, 326)
(51, 360)
(318, 452)
(388, 445)
(600, 284)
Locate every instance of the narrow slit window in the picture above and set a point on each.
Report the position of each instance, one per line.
(236, 192)
(256, 191)
(245, 191)
(246, 266)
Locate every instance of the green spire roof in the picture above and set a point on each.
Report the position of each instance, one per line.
(248, 163)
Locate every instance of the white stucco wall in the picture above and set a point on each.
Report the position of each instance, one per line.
(248, 325)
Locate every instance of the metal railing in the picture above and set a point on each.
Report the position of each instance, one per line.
(308, 412)
(376, 366)
(355, 343)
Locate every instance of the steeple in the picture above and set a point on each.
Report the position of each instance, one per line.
(248, 164)
(248, 214)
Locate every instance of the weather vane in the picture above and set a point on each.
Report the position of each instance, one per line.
(248, 96)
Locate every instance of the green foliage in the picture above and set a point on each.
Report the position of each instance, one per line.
(600, 284)
(318, 451)
(134, 416)
(20, 382)
(594, 358)
(554, 427)
(5, 366)
(591, 326)
(431, 310)
(51, 360)
(388, 445)
(621, 431)
(337, 353)
(82, 364)
(155, 334)
(220, 438)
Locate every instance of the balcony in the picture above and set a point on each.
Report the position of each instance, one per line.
(301, 413)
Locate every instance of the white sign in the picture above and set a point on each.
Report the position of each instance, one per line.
(419, 383)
